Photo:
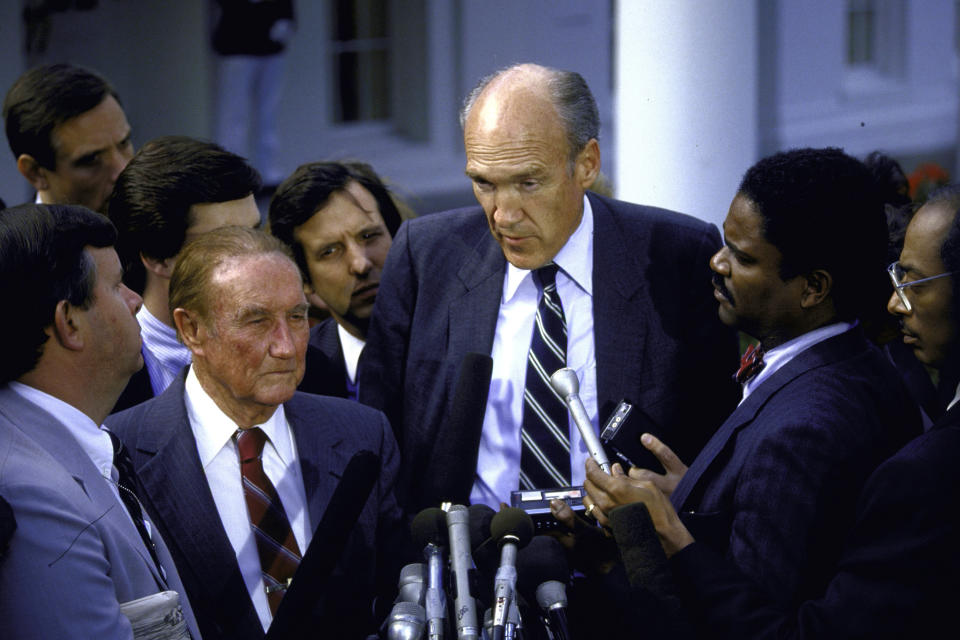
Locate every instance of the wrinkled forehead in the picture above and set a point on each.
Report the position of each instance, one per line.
(265, 279)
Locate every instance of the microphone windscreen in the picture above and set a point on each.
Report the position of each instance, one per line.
(294, 618)
(543, 560)
(551, 593)
(511, 521)
(430, 527)
(480, 517)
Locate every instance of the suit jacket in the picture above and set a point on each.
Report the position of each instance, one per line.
(659, 343)
(75, 555)
(138, 390)
(326, 370)
(327, 431)
(898, 577)
(775, 488)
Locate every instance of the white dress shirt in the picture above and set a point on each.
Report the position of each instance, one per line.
(163, 355)
(352, 346)
(213, 431)
(498, 462)
(781, 355)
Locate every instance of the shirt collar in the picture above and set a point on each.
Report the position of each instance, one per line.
(352, 346)
(575, 258)
(213, 429)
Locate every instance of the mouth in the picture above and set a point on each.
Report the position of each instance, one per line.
(908, 336)
(720, 291)
(366, 290)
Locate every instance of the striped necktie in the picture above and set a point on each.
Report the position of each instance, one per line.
(544, 436)
(279, 554)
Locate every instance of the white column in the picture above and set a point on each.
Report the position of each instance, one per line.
(686, 76)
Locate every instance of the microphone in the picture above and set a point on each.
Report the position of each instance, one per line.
(513, 528)
(312, 578)
(458, 525)
(406, 621)
(410, 586)
(566, 383)
(429, 528)
(543, 573)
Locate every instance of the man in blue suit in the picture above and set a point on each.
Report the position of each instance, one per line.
(80, 550)
(236, 297)
(775, 489)
(632, 281)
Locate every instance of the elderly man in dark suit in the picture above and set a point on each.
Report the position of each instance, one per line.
(237, 467)
(624, 289)
(773, 496)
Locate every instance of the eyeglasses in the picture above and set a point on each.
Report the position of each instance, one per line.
(897, 273)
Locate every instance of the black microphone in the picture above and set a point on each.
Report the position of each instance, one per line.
(312, 578)
(429, 528)
(458, 526)
(406, 621)
(455, 446)
(542, 576)
(513, 529)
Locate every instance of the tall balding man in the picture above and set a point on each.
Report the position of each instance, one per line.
(68, 133)
(619, 292)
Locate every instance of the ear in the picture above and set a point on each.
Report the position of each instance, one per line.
(30, 169)
(191, 330)
(160, 268)
(816, 288)
(66, 327)
(588, 164)
(312, 297)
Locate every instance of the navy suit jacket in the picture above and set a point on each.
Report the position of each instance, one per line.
(328, 431)
(659, 343)
(775, 488)
(898, 577)
(326, 370)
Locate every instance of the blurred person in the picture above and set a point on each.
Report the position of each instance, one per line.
(68, 133)
(82, 546)
(339, 220)
(237, 466)
(173, 190)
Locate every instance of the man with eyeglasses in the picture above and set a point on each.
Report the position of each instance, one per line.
(899, 573)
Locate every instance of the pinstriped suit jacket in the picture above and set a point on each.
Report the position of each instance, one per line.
(328, 431)
(75, 555)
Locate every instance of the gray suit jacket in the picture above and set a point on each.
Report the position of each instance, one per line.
(327, 431)
(75, 555)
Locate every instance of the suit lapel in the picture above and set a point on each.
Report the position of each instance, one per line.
(823, 353)
(473, 315)
(318, 447)
(180, 497)
(619, 291)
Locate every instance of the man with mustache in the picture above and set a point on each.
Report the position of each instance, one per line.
(626, 286)
(775, 488)
(339, 221)
(237, 466)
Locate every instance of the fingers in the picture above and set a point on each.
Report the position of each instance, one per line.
(664, 454)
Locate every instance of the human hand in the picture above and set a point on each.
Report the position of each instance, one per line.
(674, 467)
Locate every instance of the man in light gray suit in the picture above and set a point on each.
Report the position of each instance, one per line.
(80, 550)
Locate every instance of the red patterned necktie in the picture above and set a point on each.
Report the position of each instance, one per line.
(279, 554)
(751, 363)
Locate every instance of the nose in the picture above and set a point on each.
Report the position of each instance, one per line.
(134, 301)
(719, 262)
(282, 345)
(895, 305)
(119, 158)
(360, 263)
(507, 208)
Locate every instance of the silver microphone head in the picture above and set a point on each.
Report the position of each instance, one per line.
(551, 594)
(412, 583)
(406, 621)
(565, 382)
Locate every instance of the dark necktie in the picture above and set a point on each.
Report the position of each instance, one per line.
(279, 554)
(127, 488)
(751, 363)
(545, 438)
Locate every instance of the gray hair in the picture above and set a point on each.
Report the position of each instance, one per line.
(570, 96)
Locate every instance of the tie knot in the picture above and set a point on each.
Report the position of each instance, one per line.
(546, 275)
(751, 363)
(250, 443)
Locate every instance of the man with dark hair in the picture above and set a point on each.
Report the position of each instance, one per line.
(238, 468)
(624, 288)
(899, 571)
(68, 133)
(82, 547)
(173, 190)
(774, 489)
(339, 220)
